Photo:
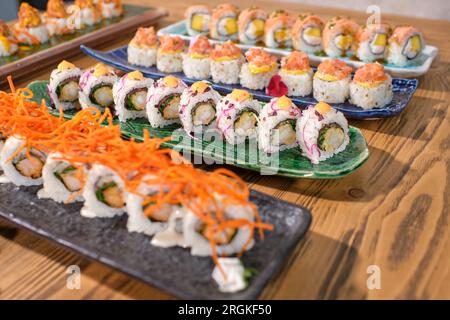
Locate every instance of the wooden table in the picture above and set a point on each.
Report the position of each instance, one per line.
(393, 212)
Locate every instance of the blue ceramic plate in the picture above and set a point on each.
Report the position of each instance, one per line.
(403, 88)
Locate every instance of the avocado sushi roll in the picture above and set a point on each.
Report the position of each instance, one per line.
(163, 101)
(63, 87)
(130, 95)
(237, 117)
(96, 87)
(322, 132)
(197, 19)
(198, 107)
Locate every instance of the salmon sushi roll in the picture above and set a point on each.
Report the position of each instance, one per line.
(371, 87)
(261, 66)
(371, 42)
(198, 18)
(339, 37)
(196, 62)
(251, 24)
(277, 123)
(322, 132)
(307, 33)
(296, 73)
(57, 19)
(278, 28)
(226, 62)
(30, 30)
(405, 46)
(169, 58)
(142, 49)
(8, 45)
(331, 82)
(223, 24)
(110, 8)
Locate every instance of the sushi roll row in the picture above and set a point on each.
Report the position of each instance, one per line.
(34, 28)
(338, 37)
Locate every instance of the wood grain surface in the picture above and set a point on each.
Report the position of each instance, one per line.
(392, 213)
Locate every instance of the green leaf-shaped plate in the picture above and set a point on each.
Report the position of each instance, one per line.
(287, 163)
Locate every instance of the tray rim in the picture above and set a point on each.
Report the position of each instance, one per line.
(270, 272)
(418, 71)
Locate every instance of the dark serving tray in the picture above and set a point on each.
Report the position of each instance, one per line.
(173, 270)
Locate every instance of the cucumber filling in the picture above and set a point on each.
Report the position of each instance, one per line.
(102, 95)
(169, 106)
(110, 194)
(68, 177)
(284, 133)
(204, 113)
(246, 122)
(331, 137)
(136, 99)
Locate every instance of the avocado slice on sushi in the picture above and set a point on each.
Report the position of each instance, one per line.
(67, 90)
(331, 137)
(204, 113)
(284, 133)
(169, 105)
(68, 177)
(102, 95)
(110, 194)
(246, 122)
(30, 166)
(136, 99)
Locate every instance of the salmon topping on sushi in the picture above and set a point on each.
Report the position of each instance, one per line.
(310, 27)
(224, 20)
(199, 47)
(341, 32)
(144, 38)
(56, 9)
(377, 34)
(297, 62)
(171, 44)
(226, 51)
(371, 74)
(28, 16)
(251, 22)
(85, 4)
(333, 70)
(282, 34)
(260, 60)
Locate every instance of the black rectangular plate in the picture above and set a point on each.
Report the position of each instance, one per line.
(173, 270)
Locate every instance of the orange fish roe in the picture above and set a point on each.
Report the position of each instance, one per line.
(370, 72)
(295, 61)
(173, 44)
(334, 67)
(226, 50)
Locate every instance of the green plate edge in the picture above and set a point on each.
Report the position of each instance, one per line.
(292, 163)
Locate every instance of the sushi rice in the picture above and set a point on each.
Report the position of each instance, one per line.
(226, 62)
(331, 81)
(296, 74)
(196, 62)
(260, 68)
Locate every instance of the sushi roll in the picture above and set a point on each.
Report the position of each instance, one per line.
(277, 31)
(371, 87)
(296, 73)
(142, 48)
(197, 19)
(63, 87)
(196, 63)
(163, 101)
(260, 68)
(371, 42)
(251, 24)
(226, 62)
(198, 106)
(30, 30)
(307, 33)
(130, 95)
(8, 45)
(170, 54)
(277, 122)
(223, 24)
(198, 235)
(332, 81)
(322, 132)
(87, 13)
(25, 168)
(56, 18)
(137, 205)
(110, 8)
(104, 193)
(339, 37)
(96, 87)
(173, 234)
(61, 180)
(237, 117)
(405, 46)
